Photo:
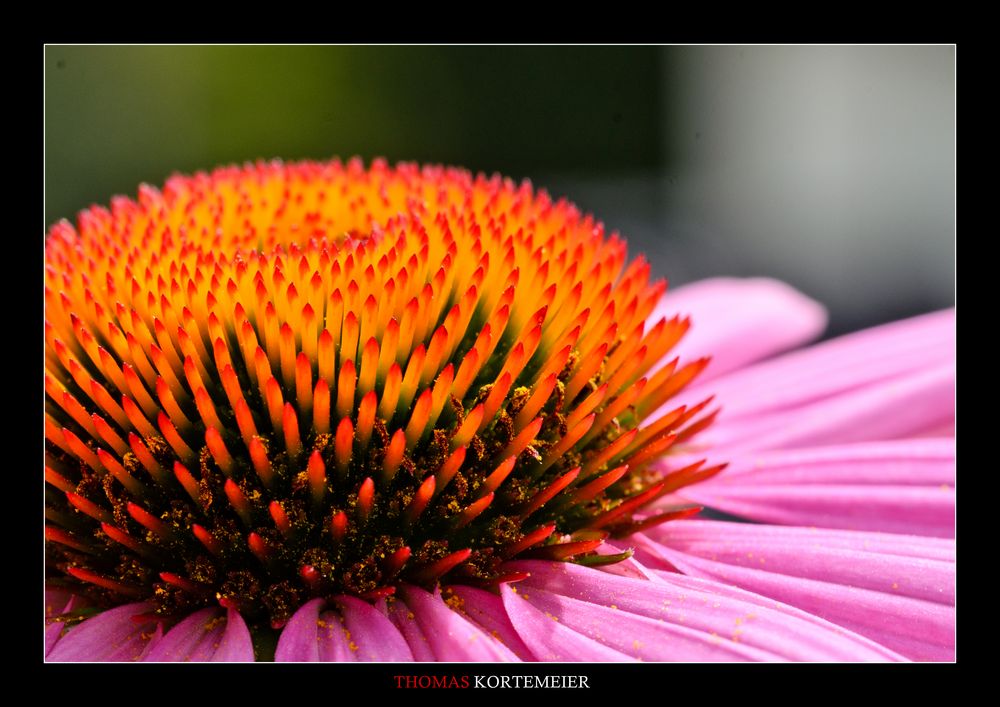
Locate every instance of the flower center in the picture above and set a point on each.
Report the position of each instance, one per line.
(287, 381)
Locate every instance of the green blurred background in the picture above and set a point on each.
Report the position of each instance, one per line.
(121, 115)
(829, 167)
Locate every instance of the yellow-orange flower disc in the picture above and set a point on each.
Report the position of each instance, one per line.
(282, 381)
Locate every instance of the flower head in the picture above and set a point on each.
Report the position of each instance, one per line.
(272, 384)
(322, 412)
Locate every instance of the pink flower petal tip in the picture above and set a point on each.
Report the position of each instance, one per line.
(739, 321)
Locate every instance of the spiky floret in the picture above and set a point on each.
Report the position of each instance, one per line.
(283, 381)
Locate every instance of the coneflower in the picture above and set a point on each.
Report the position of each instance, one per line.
(293, 381)
(319, 411)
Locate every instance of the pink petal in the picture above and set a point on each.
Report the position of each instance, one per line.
(891, 408)
(110, 636)
(450, 636)
(689, 533)
(945, 430)
(739, 321)
(355, 632)
(551, 640)
(896, 590)
(57, 602)
(837, 366)
(313, 635)
(685, 618)
(377, 639)
(405, 622)
(902, 509)
(236, 644)
(152, 642)
(53, 632)
(488, 611)
(910, 462)
(209, 635)
(333, 645)
(903, 486)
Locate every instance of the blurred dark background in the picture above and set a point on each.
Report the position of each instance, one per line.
(829, 167)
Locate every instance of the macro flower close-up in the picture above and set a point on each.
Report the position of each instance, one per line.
(324, 411)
